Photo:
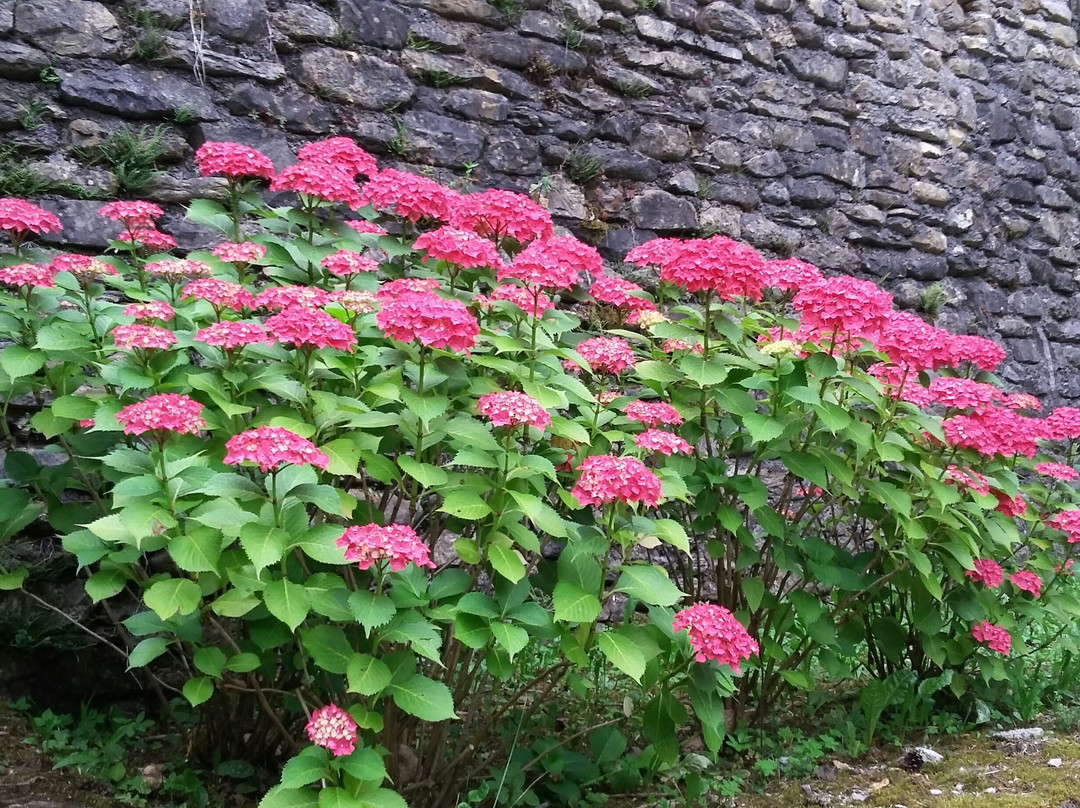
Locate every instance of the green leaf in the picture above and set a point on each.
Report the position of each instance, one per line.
(13, 579)
(210, 660)
(371, 611)
(196, 551)
(512, 638)
(671, 532)
(364, 764)
(624, 653)
(465, 504)
(899, 501)
(147, 651)
(649, 584)
(62, 337)
(105, 583)
(652, 371)
(279, 797)
(307, 767)
(873, 699)
(506, 562)
(703, 373)
(263, 544)
(173, 596)
(424, 473)
(381, 798)
(541, 514)
(367, 675)
(344, 455)
(426, 407)
(328, 646)
(288, 602)
(573, 604)
(198, 690)
(807, 467)
(17, 361)
(763, 428)
(424, 698)
(754, 590)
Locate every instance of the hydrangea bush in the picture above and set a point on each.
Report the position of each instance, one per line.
(363, 474)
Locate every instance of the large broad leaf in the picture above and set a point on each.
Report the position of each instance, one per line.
(288, 602)
(626, 652)
(264, 545)
(309, 766)
(370, 610)
(573, 604)
(510, 637)
(649, 584)
(17, 361)
(425, 698)
(147, 651)
(173, 596)
(198, 690)
(367, 675)
(280, 797)
(328, 646)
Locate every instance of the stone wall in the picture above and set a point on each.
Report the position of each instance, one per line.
(912, 141)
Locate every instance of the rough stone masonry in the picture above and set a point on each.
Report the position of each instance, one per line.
(917, 142)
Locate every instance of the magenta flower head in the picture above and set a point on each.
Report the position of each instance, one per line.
(166, 412)
(371, 544)
(995, 637)
(605, 479)
(714, 633)
(513, 409)
(334, 729)
(270, 446)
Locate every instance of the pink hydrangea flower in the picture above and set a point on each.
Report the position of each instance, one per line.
(85, 268)
(995, 637)
(270, 446)
(1022, 401)
(281, 297)
(429, 319)
(843, 308)
(409, 196)
(1063, 423)
(228, 334)
(717, 264)
(220, 294)
(605, 479)
(500, 214)
(314, 328)
(714, 633)
(326, 181)
(462, 248)
(604, 355)
(1010, 506)
(532, 301)
(964, 394)
(232, 160)
(18, 275)
(901, 382)
(177, 269)
(621, 293)
(789, 274)
(392, 290)
(132, 214)
(20, 217)
(165, 412)
(243, 252)
(555, 263)
(987, 571)
(372, 544)
(1069, 523)
(652, 413)
(334, 729)
(355, 302)
(979, 351)
(151, 310)
(666, 443)
(911, 342)
(364, 226)
(149, 237)
(138, 335)
(670, 346)
(1026, 582)
(341, 152)
(1057, 470)
(344, 263)
(513, 409)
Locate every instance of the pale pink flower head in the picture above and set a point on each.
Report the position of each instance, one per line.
(273, 298)
(220, 294)
(392, 290)
(132, 214)
(605, 479)
(138, 335)
(532, 301)
(979, 351)
(151, 310)
(718, 264)
(968, 478)
(670, 346)
(149, 237)
(1026, 582)
(1063, 423)
(270, 447)
(372, 544)
(462, 248)
(85, 268)
(323, 180)
(19, 217)
(332, 728)
(995, 637)
(165, 412)
(341, 152)
(606, 397)
(554, 263)
(963, 394)
(1058, 471)
(909, 341)
(345, 263)
(242, 252)
(19, 275)
(1023, 401)
(606, 354)
(430, 320)
(310, 328)
(789, 274)
(355, 302)
(409, 196)
(666, 443)
(232, 160)
(987, 571)
(229, 334)
(364, 226)
(177, 269)
(500, 214)
(652, 413)
(1069, 523)
(513, 409)
(621, 293)
(714, 633)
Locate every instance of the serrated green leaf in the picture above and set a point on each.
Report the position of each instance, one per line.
(173, 596)
(288, 602)
(649, 584)
(367, 675)
(424, 698)
(308, 766)
(573, 604)
(198, 690)
(371, 611)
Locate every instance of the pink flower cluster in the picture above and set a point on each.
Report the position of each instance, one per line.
(409, 196)
(354, 302)
(843, 308)
(221, 294)
(273, 298)
(666, 443)
(341, 152)
(138, 335)
(996, 430)
(151, 310)
(995, 637)
(329, 181)
(502, 214)
(332, 728)
(554, 263)
(243, 252)
(717, 265)
(605, 479)
(27, 275)
(392, 290)
(513, 409)
(364, 226)
(344, 263)
(790, 274)
(228, 334)
(1026, 582)
(1069, 523)
(372, 544)
(604, 355)
(652, 413)
(232, 160)
(177, 269)
(462, 248)
(314, 328)
(963, 394)
(1010, 506)
(1058, 471)
(132, 214)
(84, 267)
(430, 320)
(714, 633)
(149, 237)
(969, 478)
(270, 446)
(532, 301)
(165, 412)
(987, 571)
(620, 293)
(20, 217)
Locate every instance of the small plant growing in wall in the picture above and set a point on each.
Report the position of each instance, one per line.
(31, 114)
(150, 40)
(399, 143)
(511, 9)
(931, 300)
(132, 155)
(582, 168)
(634, 89)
